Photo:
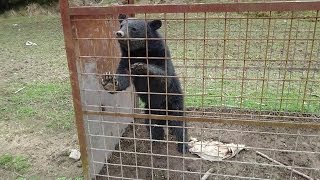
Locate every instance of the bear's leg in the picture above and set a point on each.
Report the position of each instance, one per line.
(156, 132)
(180, 130)
(181, 134)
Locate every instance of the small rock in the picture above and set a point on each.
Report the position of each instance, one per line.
(75, 154)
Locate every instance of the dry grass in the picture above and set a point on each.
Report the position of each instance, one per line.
(34, 9)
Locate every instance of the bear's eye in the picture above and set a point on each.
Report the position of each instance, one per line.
(121, 26)
(133, 29)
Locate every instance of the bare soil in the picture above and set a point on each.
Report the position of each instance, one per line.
(282, 144)
(47, 154)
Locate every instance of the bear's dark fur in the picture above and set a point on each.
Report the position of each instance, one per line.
(137, 50)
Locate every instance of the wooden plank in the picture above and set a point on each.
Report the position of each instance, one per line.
(95, 57)
(71, 57)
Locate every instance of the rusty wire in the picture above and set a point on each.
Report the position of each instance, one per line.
(250, 77)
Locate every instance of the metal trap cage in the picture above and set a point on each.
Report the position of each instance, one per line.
(249, 75)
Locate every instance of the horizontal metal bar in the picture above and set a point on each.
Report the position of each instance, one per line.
(191, 60)
(173, 156)
(206, 95)
(227, 115)
(211, 120)
(181, 171)
(195, 128)
(206, 39)
(197, 19)
(211, 78)
(195, 8)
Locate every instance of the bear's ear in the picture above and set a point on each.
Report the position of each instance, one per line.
(122, 17)
(155, 24)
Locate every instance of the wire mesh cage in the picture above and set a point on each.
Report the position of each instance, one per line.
(247, 74)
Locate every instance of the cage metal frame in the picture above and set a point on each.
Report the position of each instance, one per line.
(67, 13)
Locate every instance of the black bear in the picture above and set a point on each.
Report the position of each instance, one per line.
(149, 57)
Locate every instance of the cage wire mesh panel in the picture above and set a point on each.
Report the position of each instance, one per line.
(95, 57)
(249, 78)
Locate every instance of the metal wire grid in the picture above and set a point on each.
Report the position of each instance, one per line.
(283, 62)
(233, 66)
(239, 59)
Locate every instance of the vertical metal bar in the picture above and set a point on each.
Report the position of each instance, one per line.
(184, 79)
(135, 146)
(238, 74)
(149, 93)
(135, 95)
(219, 139)
(281, 59)
(131, 2)
(244, 62)
(71, 57)
(103, 132)
(274, 154)
(295, 149)
(120, 151)
(301, 84)
(203, 75)
(90, 147)
(309, 63)
(286, 62)
(265, 62)
(255, 160)
(270, 54)
(203, 62)
(223, 57)
(166, 88)
(293, 58)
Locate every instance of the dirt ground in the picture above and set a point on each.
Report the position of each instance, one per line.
(282, 144)
(47, 154)
(42, 139)
(36, 122)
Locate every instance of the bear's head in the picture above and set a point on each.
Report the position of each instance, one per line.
(135, 28)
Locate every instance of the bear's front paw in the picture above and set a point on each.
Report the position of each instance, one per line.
(139, 68)
(109, 83)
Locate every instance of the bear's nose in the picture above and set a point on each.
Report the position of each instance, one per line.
(119, 33)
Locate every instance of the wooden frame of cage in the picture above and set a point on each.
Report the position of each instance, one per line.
(67, 13)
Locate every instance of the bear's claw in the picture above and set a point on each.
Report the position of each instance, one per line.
(139, 68)
(109, 83)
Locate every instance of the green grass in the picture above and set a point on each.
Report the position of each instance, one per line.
(47, 103)
(247, 71)
(65, 178)
(46, 97)
(14, 163)
(40, 70)
(44, 62)
(59, 178)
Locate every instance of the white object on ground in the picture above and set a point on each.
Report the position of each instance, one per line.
(75, 154)
(207, 174)
(214, 150)
(29, 43)
(19, 90)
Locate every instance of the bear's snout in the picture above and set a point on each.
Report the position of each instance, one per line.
(120, 34)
